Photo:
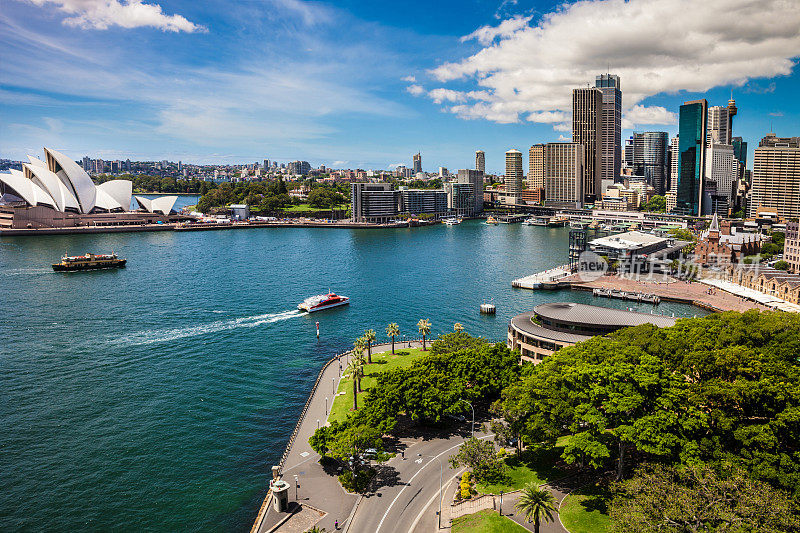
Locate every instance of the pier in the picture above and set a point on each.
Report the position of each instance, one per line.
(549, 279)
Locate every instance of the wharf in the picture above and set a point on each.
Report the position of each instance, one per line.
(549, 279)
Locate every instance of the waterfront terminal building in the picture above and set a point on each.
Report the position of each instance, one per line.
(552, 326)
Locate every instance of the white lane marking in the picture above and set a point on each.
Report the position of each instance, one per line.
(444, 489)
(412, 479)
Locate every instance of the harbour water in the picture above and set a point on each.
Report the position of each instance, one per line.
(157, 397)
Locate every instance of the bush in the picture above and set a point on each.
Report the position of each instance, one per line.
(357, 483)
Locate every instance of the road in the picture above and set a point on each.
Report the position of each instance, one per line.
(406, 495)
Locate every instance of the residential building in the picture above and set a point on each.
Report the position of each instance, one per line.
(514, 176)
(480, 161)
(587, 130)
(611, 133)
(552, 326)
(691, 153)
(417, 163)
(373, 202)
(461, 198)
(423, 201)
(791, 246)
(563, 174)
(776, 177)
(536, 167)
(474, 178)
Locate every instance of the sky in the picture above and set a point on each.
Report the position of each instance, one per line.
(366, 84)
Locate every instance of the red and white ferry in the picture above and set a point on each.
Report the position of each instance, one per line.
(323, 301)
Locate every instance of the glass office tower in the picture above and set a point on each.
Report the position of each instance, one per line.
(691, 149)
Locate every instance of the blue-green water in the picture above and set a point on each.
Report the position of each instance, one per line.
(157, 397)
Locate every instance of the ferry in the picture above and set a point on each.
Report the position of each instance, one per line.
(557, 222)
(89, 262)
(529, 222)
(323, 301)
(492, 221)
(452, 221)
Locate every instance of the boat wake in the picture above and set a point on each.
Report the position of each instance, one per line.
(166, 335)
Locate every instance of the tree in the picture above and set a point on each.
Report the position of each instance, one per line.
(392, 330)
(348, 443)
(354, 369)
(698, 498)
(481, 457)
(424, 326)
(781, 265)
(657, 204)
(457, 327)
(360, 344)
(369, 336)
(536, 504)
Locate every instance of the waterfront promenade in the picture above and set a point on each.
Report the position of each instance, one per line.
(322, 499)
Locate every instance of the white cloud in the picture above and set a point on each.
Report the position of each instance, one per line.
(640, 114)
(776, 114)
(655, 46)
(103, 14)
(409, 79)
(415, 89)
(563, 138)
(486, 34)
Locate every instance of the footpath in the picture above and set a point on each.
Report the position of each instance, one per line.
(320, 499)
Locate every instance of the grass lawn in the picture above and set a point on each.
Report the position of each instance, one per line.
(381, 362)
(308, 208)
(586, 510)
(488, 521)
(535, 466)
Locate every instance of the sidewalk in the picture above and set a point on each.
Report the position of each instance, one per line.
(318, 489)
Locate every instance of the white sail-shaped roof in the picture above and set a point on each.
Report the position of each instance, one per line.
(27, 189)
(162, 204)
(105, 201)
(48, 181)
(36, 161)
(119, 190)
(74, 177)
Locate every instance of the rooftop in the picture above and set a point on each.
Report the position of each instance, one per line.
(599, 316)
(627, 240)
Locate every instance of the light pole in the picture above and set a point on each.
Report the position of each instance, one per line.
(326, 406)
(333, 384)
(317, 423)
(296, 486)
(472, 428)
(441, 476)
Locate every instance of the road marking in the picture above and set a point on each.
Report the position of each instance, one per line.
(437, 495)
(412, 479)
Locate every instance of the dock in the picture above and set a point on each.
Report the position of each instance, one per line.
(548, 279)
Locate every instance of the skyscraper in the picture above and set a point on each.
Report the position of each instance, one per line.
(417, 163)
(611, 136)
(474, 178)
(722, 169)
(587, 129)
(563, 174)
(536, 167)
(776, 177)
(720, 124)
(514, 174)
(480, 161)
(650, 158)
(674, 163)
(691, 148)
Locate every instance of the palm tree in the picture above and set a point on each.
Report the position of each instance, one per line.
(360, 344)
(424, 326)
(458, 327)
(392, 330)
(536, 504)
(358, 357)
(369, 336)
(353, 369)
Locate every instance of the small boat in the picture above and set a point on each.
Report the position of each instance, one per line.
(557, 222)
(492, 221)
(89, 262)
(529, 222)
(452, 221)
(323, 301)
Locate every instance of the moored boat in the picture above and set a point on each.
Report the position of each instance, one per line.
(491, 220)
(88, 262)
(323, 301)
(452, 221)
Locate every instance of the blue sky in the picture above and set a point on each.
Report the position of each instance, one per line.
(367, 84)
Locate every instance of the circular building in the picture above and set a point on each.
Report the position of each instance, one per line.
(552, 326)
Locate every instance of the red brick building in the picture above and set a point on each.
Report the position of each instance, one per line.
(718, 245)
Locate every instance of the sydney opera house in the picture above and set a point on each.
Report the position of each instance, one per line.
(58, 193)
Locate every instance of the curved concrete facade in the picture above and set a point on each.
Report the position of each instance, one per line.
(26, 189)
(61, 195)
(74, 177)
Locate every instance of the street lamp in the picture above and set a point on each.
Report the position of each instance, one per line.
(333, 384)
(441, 475)
(296, 486)
(472, 428)
(317, 423)
(326, 406)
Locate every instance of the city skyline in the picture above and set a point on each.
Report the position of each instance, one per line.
(195, 88)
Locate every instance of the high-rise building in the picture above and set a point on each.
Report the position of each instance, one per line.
(474, 178)
(691, 148)
(563, 174)
(417, 163)
(86, 163)
(374, 202)
(480, 161)
(649, 152)
(720, 124)
(266, 164)
(722, 170)
(776, 177)
(587, 129)
(536, 167)
(514, 175)
(611, 136)
(674, 163)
